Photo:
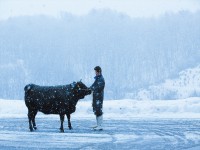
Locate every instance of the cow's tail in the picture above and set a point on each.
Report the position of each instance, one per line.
(28, 88)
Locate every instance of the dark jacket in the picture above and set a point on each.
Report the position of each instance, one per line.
(98, 94)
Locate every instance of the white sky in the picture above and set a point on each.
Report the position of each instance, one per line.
(133, 8)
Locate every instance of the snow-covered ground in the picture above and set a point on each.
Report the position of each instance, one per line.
(118, 109)
(128, 124)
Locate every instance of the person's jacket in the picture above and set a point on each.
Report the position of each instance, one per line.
(98, 88)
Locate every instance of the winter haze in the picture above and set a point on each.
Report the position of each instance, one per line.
(148, 49)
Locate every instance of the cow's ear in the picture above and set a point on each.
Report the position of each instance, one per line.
(78, 84)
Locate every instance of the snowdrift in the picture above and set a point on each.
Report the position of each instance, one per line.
(186, 85)
(117, 109)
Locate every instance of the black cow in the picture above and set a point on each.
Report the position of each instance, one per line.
(60, 100)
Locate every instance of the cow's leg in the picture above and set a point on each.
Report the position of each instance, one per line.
(33, 120)
(30, 116)
(69, 123)
(62, 117)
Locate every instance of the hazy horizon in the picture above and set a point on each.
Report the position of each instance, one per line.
(132, 8)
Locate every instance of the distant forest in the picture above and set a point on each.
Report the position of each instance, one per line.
(134, 53)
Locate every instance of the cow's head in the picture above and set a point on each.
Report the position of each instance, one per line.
(81, 90)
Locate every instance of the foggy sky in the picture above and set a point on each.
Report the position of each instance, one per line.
(133, 8)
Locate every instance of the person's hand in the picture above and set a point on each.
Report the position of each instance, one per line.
(89, 90)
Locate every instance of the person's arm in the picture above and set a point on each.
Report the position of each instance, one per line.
(98, 85)
(92, 87)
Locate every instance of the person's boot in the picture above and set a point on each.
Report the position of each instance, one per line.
(99, 123)
(95, 126)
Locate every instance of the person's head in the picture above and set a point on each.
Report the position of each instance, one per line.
(98, 70)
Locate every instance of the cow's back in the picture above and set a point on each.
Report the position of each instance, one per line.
(49, 92)
(47, 99)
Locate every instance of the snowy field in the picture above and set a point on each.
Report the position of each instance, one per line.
(128, 124)
(117, 109)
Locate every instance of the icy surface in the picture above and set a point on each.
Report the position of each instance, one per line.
(143, 134)
(128, 124)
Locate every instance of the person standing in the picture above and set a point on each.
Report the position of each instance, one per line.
(98, 95)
